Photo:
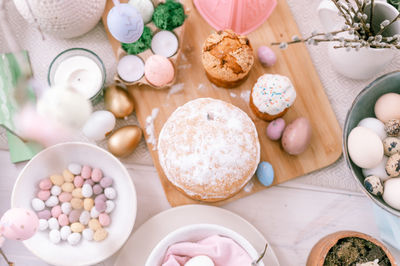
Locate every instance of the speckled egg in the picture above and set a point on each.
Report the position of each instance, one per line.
(387, 107)
(393, 165)
(265, 173)
(275, 129)
(392, 127)
(19, 224)
(391, 146)
(375, 125)
(391, 193)
(374, 185)
(379, 170)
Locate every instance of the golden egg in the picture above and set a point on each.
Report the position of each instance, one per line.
(124, 141)
(118, 101)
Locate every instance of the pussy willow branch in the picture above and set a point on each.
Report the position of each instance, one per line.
(311, 37)
(384, 28)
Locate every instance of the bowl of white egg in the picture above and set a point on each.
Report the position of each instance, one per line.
(85, 200)
(371, 143)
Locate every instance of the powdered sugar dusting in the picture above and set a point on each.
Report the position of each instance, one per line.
(233, 95)
(201, 86)
(249, 187)
(175, 89)
(209, 148)
(245, 95)
(151, 136)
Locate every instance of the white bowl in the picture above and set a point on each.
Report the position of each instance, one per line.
(194, 233)
(54, 160)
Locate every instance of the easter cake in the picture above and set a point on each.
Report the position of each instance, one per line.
(272, 96)
(209, 149)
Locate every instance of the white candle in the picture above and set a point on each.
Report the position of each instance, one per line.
(130, 68)
(164, 43)
(81, 73)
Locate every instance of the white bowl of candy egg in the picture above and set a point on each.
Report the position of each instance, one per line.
(199, 233)
(70, 247)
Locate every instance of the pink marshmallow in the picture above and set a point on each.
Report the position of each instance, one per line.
(78, 181)
(43, 194)
(65, 197)
(56, 211)
(63, 219)
(45, 184)
(97, 175)
(104, 219)
(86, 172)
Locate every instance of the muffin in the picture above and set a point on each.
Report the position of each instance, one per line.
(227, 58)
(209, 149)
(272, 96)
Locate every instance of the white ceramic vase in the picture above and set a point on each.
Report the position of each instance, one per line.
(62, 18)
(366, 62)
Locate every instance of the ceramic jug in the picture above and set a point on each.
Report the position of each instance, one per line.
(366, 62)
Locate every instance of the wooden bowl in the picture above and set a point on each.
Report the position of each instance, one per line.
(320, 250)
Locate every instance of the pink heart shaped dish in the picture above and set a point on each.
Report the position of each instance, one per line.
(241, 16)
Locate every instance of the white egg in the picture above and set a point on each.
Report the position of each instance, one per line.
(200, 261)
(375, 125)
(55, 236)
(98, 125)
(391, 193)
(145, 8)
(378, 171)
(65, 232)
(74, 238)
(365, 147)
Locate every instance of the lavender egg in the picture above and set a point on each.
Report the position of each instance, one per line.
(266, 56)
(275, 129)
(125, 23)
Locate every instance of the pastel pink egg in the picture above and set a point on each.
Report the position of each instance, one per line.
(19, 224)
(100, 197)
(65, 197)
(100, 206)
(86, 171)
(74, 216)
(43, 194)
(97, 175)
(56, 211)
(106, 182)
(63, 219)
(78, 181)
(158, 70)
(89, 181)
(45, 184)
(104, 219)
(97, 189)
(45, 214)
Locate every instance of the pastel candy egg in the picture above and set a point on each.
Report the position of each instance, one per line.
(53, 224)
(100, 206)
(43, 224)
(63, 220)
(52, 201)
(57, 180)
(275, 129)
(89, 181)
(378, 171)
(78, 181)
(94, 224)
(37, 204)
(19, 224)
(86, 171)
(100, 235)
(74, 238)
(77, 227)
(45, 214)
(106, 182)
(45, 184)
(387, 107)
(94, 213)
(393, 165)
(200, 261)
(265, 173)
(99, 124)
(97, 189)
(88, 234)
(84, 218)
(87, 191)
(65, 232)
(54, 236)
(67, 187)
(97, 175)
(68, 176)
(104, 219)
(77, 193)
(56, 190)
(365, 147)
(391, 193)
(391, 146)
(110, 205)
(43, 195)
(75, 168)
(76, 203)
(375, 125)
(374, 185)
(56, 211)
(65, 197)
(100, 197)
(266, 56)
(110, 193)
(88, 204)
(74, 216)
(66, 207)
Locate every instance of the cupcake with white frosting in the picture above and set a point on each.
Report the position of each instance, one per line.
(272, 96)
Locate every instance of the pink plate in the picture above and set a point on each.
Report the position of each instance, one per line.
(242, 16)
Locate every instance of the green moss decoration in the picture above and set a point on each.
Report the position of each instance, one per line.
(169, 15)
(140, 45)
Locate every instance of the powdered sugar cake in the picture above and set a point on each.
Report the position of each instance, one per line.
(209, 149)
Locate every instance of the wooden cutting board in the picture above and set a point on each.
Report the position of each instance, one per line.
(294, 62)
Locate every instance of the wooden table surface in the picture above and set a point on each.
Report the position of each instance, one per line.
(292, 216)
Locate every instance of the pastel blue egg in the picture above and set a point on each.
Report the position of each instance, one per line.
(125, 23)
(265, 173)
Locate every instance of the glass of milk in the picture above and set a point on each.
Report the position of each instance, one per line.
(81, 69)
